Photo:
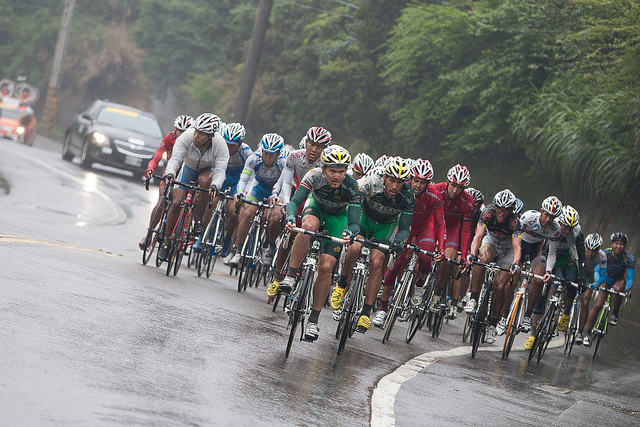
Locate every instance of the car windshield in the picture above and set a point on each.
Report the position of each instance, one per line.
(14, 114)
(130, 120)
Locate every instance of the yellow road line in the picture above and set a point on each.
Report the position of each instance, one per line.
(8, 238)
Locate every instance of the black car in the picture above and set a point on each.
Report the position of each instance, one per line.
(113, 135)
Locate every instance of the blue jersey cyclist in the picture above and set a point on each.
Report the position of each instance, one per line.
(239, 152)
(260, 173)
(596, 268)
(619, 276)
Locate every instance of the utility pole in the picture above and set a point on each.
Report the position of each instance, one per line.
(51, 103)
(253, 59)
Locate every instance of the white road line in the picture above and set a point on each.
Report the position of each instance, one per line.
(384, 395)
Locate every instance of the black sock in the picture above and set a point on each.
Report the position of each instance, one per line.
(366, 310)
(313, 317)
(293, 272)
(454, 302)
(342, 282)
(615, 313)
(475, 295)
(384, 305)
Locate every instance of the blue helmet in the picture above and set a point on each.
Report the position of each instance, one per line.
(272, 143)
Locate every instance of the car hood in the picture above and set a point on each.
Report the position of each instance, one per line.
(131, 136)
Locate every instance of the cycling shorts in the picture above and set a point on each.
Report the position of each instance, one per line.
(566, 268)
(502, 250)
(382, 232)
(257, 193)
(188, 175)
(534, 251)
(231, 184)
(333, 224)
(452, 237)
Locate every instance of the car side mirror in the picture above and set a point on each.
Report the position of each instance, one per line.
(87, 116)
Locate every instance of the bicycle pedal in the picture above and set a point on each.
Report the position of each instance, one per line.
(336, 315)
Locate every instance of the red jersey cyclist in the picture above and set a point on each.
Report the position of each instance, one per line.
(180, 124)
(459, 209)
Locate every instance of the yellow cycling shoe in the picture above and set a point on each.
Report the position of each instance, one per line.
(529, 342)
(336, 297)
(364, 323)
(564, 322)
(272, 289)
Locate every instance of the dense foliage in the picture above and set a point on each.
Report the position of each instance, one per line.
(550, 83)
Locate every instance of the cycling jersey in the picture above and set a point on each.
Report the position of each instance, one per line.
(381, 209)
(214, 156)
(620, 267)
(166, 146)
(503, 232)
(236, 165)
(256, 173)
(428, 211)
(458, 215)
(329, 202)
(533, 232)
(296, 167)
(571, 246)
(597, 268)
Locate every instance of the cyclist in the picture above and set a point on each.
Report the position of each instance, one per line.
(562, 258)
(498, 238)
(459, 209)
(478, 197)
(180, 124)
(427, 228)
(537, 228)
(239, 151)
(362, 164)
(205, 156)
(334, 203)
(518, 208)
(387, 202)
(260, 174)
(596, 271)
(298, 163)
(619, 276)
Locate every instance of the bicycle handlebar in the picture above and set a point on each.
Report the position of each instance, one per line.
(368, 242)
(415, 248)
(318, 235)
(611, 291)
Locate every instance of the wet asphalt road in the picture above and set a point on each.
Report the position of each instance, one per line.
(92, 337)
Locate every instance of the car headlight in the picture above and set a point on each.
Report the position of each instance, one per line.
(20, 130)
(100, 138)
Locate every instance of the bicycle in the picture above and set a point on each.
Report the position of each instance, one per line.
(353, 300)
(548, 324)
(251, 247)
(299, 301)
(181, 237)
(282, 242)
(419, 313)
(574, 321)
(439, 312)
(479, 321)
(157, 229)
(213, 237)
(516, 313)
(602, 323)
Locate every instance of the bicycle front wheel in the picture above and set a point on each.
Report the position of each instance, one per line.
(572, 329)
(395, 304)
(513, 326)
(550, 330)
(477, 329)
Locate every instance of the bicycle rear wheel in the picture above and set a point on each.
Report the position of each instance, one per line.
(513, 326)
(543, 324)
(466, 329)
(597, 337)
(550, 330)
(414, 322)
(572, 329)
(396, 302)
(152, 236)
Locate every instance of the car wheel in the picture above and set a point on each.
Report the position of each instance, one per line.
(85, 158)
(66, 148)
